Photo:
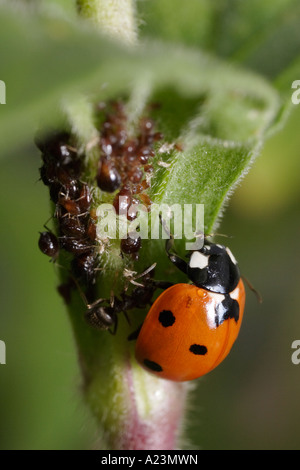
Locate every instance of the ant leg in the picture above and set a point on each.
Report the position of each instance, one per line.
(163, 284)
(135, 333)
(127, 317)
(94, 304)
(81, 293)
(114, 331)
(45, 224)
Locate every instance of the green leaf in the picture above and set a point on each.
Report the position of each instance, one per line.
(276, 46)
(44, 57)
(219, 143)
(264, 36)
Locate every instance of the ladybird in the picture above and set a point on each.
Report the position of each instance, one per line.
(191, 328)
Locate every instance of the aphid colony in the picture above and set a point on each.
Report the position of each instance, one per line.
(61, 172)
(124, 168)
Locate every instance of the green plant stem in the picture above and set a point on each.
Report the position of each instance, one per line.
(115, 17)
(133, 409)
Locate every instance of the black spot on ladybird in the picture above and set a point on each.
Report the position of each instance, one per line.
(152, 365)
(166, 318)
(198, 349)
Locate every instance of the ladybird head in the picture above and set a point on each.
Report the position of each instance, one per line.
(212, 267)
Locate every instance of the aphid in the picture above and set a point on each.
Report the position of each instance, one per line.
(108, 177)
(131, 244)
(48, 244)
(56, 147)
(123, 200)
(72, 227)
(75, 246)
(84, 267)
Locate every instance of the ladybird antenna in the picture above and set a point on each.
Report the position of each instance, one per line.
(225, 235)
(251, 287)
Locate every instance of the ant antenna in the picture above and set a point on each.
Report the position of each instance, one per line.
(80, 291)
(129, 274)
(45, 224)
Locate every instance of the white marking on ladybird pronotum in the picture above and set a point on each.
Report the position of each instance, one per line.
(231, 256)
(198, 260)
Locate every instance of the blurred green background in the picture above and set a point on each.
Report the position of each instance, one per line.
(250, 402)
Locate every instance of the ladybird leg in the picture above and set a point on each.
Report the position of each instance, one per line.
(179, 262)
(173, 257)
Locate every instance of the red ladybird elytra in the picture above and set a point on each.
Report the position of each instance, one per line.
(191, 328)
(180, 339)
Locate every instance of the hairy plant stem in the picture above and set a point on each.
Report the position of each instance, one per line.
(134, 410)
(115, 17)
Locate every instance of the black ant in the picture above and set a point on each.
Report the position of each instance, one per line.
(102, 314)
